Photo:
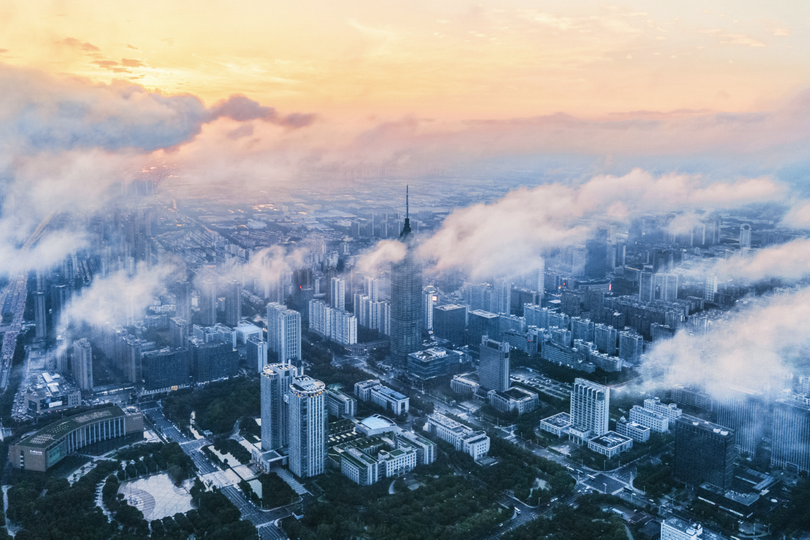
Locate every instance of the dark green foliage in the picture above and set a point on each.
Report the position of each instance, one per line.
(655, 480)
(230, 446)
(275, 491)
(218, 406)
(450, 508)
(795, 515)
(587, 522)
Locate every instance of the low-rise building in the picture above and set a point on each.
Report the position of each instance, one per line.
(51, 393)
(610, 444)
(432, 363)
(387, 398)
(556, 425)
(677, 529)
(668, 410)
(367, 460)
(464, 439)
(425, 448)
(635, 431)
(340, 404)
(466, 384)
(650, 419)
(514, 399)
(43, 449)
(376, 425)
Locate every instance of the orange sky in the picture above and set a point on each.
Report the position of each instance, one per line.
(448, 60)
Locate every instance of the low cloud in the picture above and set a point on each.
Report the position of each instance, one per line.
(381, 256)
(84, 46)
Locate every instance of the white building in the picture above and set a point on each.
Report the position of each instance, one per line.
(650, 419)
(635, 431)
(387, 398)
(307, 426)
(610, 444)
(338, 294)
(590, 407)
(677, 529)
(275, 380)
(283, 332)
(338, 325)
(556, 425)
(340, 404)
(668, 410)
(464, 439)
(465, 383)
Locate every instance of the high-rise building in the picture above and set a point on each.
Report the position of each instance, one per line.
(745, 236)
(82, 366)
(582, 329)
(256, 352)
(704, 452)
(480, 324)
(746, 412)
(631, 346)
(275, 380)
(207, 302)
(501, 299)
(590, 408)
(233, 303)
(429, 298)
(406, 299)
(535, 315)
(308, 417)
(646, 287)
(605, 338)
(39, 316)
(212, 361)
(449, 322)
(666, 287)
(790, 438)
(493, 367)
(337, 294)
(60, 297)
(709, 288)
(165, 369)
(182, 292)
(283, 332)
(179, 331)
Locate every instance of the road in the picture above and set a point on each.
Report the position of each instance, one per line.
(264, 520)
(17, 289)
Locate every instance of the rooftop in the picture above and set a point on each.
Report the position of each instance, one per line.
(53, 432)
(562, 419)
(610, 439)
(377, 422)
(307, 385)
(390, 393)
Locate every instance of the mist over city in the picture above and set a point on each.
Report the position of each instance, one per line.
(372, 271)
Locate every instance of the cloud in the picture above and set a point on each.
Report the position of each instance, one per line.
(243, 109)
(119, 298)
(129, 62)
(788, 262)
(513, 235)
(133, 47)
(84, 46)
(383, 254)
(755, 345)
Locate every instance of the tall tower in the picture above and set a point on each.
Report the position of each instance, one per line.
(406, 297)
(338, 293)
(306, 402)
(283, 332)
(39, 315)
(182, 291)
(233, 303)
(745, 236)
(83, 364)
(208, 302)
(590, 407)
(493, 368)
(429, 298)
(276, 379)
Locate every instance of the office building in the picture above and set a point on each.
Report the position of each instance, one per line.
(605, 338)
(39, 316)
(556, 425)
(406, 299)
(590, 407)
(337, 294)
(674, 528)
(256, 352)
(450, 323)
(790, 433)
(182, 293)
(479, 324)
(283, 333)
(466, 384)
(704, 452)
(50, 392)
(340, 404)
(207, 301)
(50, 444)
(668, 410)
(610, 444)
(745, 236)
(82, 364)
(165, 369)
(501, 299)
(432, 363)
(429, 298)
(275, 380)
(631, 347)
(233, 303)
(746, 413)
(307, 417)
(212, 361)
(649, 419)
(631, 429)
(535, 316)
(391, 400)
(493, 366)
(514, 399)
(178, 332)
(464, 439)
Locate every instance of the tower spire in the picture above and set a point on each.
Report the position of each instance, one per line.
(406, 228)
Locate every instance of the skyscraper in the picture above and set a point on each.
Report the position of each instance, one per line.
(208, 302)
(406, 298)
(745, 236)
(746, 412)
(182, 292)
(429, 298)
(39, 316)
(493, 367)
(283, 332)
(704, 452)
(790, 439)
(307, 426)
(233, 303)
(449, 322)
(590, 407)
(501, 299)
(337, 294)
(82, 366)
(276, 379)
